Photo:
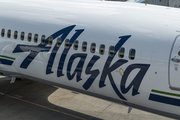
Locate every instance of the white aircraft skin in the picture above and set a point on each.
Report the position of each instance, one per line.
(148, 82)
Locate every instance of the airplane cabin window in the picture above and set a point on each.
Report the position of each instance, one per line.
(121, 52)
(9, 34)
(59, 42)
(67, 42)
(36, 38)
(132, 53)
(50, 41)
(29, 37)
(111, 51)
(102, 48)
(76, 45)
(43, 37)
(22, 35)
(84, 46)
(15, 34)
(2, 32)
(93, 48)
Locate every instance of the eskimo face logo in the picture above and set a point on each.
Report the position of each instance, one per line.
(108, 68)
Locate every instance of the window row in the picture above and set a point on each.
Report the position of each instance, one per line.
(111, 51)
(22, 36)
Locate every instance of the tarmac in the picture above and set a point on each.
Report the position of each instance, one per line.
(29, 100)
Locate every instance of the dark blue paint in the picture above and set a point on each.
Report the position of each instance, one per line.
(65, 52)
(64, 32)
(34, 50)
(108, 69)
(6, 62)
(78, 69)
(136, 82)
(163, 99)
(33, 53)
(93, 73)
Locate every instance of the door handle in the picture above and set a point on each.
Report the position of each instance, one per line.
(175, 60)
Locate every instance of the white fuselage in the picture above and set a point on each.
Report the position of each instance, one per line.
(149, 30)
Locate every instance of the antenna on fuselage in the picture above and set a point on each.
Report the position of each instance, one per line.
(129, 110)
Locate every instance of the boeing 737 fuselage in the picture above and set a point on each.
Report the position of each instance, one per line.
(123, 52)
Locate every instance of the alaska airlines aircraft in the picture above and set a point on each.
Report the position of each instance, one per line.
(123, 52)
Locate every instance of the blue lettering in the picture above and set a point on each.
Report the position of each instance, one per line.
(107, 69)
(36, 49)
(79, 67)
(93, 73)
(136, 81)
(64, 32)
(65, 52)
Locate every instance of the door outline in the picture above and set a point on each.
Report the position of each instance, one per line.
(170, 86)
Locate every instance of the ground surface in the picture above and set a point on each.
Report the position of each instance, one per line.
(28, 100)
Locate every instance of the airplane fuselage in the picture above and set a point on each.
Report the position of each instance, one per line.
(123, 52)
